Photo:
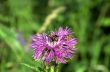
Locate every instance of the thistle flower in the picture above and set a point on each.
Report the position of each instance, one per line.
(57, 46)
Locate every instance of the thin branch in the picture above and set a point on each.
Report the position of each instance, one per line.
(51, 17)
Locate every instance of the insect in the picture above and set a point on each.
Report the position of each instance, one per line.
(53, 37)
(68, 37)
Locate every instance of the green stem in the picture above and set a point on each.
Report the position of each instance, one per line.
(52, 69)
(57, 70)
(47, 69)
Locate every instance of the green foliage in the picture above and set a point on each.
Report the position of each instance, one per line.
(105, 21)
(88, 19)
(10, 38)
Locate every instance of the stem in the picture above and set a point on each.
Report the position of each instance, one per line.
(52, 69)
(57, 68)
(47, 69)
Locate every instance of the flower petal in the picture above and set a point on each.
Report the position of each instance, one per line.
(63, 31)
(50, 56)
(71, 42)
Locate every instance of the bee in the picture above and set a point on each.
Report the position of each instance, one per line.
(53, 37)
(68, 37)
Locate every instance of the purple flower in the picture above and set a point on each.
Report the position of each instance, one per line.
(57, 46)
(20, 39)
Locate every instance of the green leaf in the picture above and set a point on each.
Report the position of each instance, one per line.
(10, 37)
(105, 22)
(38, 69)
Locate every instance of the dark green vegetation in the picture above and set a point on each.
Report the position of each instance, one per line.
(89, 19)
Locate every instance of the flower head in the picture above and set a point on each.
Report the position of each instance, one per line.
(56, 46)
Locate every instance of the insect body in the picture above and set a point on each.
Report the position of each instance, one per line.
(53, 37)
(68, 37)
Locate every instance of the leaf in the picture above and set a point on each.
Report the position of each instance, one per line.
(38, 69)
(10, 37)
(105, 22)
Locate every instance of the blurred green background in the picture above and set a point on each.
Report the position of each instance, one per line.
(88, 19)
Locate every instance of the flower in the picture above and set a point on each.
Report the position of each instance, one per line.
(57, 46)
(20, 39)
